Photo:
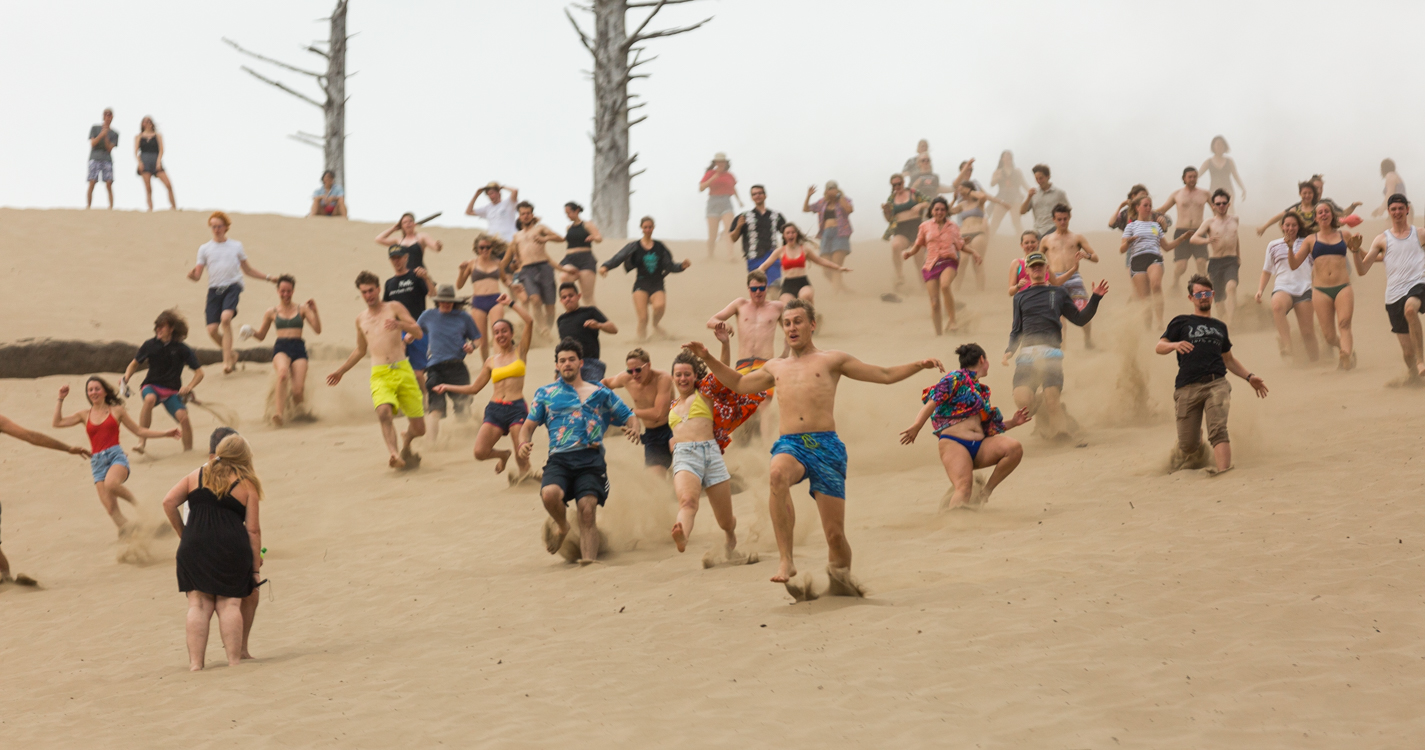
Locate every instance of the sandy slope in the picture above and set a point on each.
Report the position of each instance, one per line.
(1097, 602)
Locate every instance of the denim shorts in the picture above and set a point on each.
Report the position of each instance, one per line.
(100, 462)
(703, 460)
(831, 242)
(172, 402)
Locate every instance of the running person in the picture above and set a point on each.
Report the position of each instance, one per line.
(1041, 199)
(1010, 180)
(809, 447)
(393, 382)
(651, 261)
(579, 264)
(1224, 256)
(1393, 185)
(108, 463)
(535, 281)
(757, 327)
(970, 431)
(904, 209)
(226, 263)
(504, 372)
(969, 210)
(1018, 268)
(1402, 250)
(44, 441)
(412, 239)
(289, 350)
(1144, 240)
(410, 287)
(484, 271)
(576, 414)
(450, 334)
(651, 391)
(1292, 290)
(833, 214)
(1221, 170)
(1304, 210)
(1190, 201)
(941, 240)
(760, 229)
(1065, 250)
(584, 323)
(722, 189)
(166, 354)
(792, 258)
(1331, 296)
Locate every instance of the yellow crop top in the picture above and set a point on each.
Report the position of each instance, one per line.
(514, 369)
(698, 409)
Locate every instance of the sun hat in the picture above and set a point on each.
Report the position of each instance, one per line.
(446, 293)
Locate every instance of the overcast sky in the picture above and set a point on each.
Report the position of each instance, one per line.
(452, 93)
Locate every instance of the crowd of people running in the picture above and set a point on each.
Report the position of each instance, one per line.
(418, 332)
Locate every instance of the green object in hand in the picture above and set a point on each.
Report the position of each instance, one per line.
(264, 552)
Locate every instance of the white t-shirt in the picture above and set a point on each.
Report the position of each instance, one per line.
(1404, 265)
(223, 261)
(1292, 282)
(501, 217)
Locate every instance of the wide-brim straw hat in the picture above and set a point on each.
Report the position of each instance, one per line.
(446, 293)
(720, 156)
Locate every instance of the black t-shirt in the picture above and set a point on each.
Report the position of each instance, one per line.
(1209, 342)
(571, 326)
(408, 289)
(166, 362)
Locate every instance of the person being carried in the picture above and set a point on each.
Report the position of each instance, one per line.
(576, 414)
(450, 334)
(393, 383)
(651, 261)
(652, 392)
(1065, 250)
(8, 427)
(166, 355)
(1402, 249)
(809, 448)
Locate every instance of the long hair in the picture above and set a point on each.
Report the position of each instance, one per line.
(801, 236)
(111, 396)
(232, 462)
(1003, 156)
(175, 322)
(151, 124)
(1335, 220)
(687, 357)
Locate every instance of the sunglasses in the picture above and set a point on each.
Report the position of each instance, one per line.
(635, 370)
(1219, 203)
(1207, 294)
(762, 288)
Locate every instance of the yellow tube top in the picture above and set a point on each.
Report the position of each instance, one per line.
(698, 409)
(514, 369)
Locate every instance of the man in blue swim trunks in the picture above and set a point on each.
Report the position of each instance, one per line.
(809, 448)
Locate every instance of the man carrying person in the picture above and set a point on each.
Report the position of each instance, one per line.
(652, 392)
(166, 355)
(410, 287)
(1038, 337)
(809, 448)
(536, 274)
(1400, 249)
(44, 441)
(1224, 258)
(1064, 251)
(584, 324)
(760, 229)
(500, 213)
(576, 413)
(393, 382)
(226, 262)
(449, 334)
(1042, 200)
(102, 140)
(1201, 390)
(1190, 200)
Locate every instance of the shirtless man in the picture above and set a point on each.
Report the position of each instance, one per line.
(809, 448)
(1065, 250)
(757, 319)
(1219, 234)
(536, 274)
(44, 441)
(1190, 201)
(393, 382)
(652, 392)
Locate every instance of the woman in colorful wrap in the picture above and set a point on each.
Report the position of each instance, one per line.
(971, 431)
(108, 463)
(941, 240)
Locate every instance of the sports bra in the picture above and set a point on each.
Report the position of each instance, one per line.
(514, 369)
(788, 262)
(477, 275)
(281, 323)
(577, 237)
(977, 211)
(1324, 248)
(908, 205)
(699, 409)
(104, 435)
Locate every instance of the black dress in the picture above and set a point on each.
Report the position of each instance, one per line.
(215, 555)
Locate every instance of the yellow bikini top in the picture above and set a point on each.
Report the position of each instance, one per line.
(698, 409)
(514, 369)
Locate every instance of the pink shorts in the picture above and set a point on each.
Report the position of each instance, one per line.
(934, 271)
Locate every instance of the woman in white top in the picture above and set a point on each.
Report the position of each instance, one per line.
(1292, 291)
(1145, 240)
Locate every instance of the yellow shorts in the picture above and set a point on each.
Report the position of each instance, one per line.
(396, 385)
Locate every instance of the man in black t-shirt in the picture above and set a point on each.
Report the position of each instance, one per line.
(410, 288)
(583, 324)
(760, 229)
(1201, 390)
(166, 355)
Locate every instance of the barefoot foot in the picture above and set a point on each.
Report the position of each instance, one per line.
(24, 580)
(277, 420)
(842, 584)
(554, 535)
(397, 463)
(786, 571)
(802, 590)
(679, 537)
(500, 464)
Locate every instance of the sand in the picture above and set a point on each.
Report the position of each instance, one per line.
(1096, 601)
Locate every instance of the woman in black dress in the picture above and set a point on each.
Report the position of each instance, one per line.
(220, 546)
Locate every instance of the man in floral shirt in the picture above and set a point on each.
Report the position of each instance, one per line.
(576, 413)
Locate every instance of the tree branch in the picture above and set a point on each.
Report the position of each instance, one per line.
(311, 48)
(284, 87)
(584, 38)
(307, 139)
(278, 63)
(631, 123)
(634, 36)
(668, 32)
(652, 4)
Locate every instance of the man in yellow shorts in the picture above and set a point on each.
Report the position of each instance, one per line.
(393, 382)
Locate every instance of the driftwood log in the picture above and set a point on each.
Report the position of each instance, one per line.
(31, 358)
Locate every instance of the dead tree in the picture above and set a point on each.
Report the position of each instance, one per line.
(332, 142)
(616, 57)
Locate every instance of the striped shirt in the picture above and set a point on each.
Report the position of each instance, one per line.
(1146, 238)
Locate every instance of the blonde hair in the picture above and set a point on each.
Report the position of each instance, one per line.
(232, 462)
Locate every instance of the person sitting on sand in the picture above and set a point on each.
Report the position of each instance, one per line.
(504, 371)
(108, 464)
(809, 447)
(166, 354)
(652, 392)
(289, 350)
(971, 431)
(219, 555)
(577, 414)
(226, 263)
(44, 441)
(651, 261)
(393, 382)
(329, 199)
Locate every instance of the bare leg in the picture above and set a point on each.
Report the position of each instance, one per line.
(1024, 399)
(720, 499)
(1412, 318)
(1325, 309)
(712, 235)
(109, 498)
(727, 233)
(485, 450)
(1053, 411)
(185, 427)
(1345, 310)
(229, 356)
(947, 293)
(553, 499)
(432, 422)
(785, 471)
(230, 628)
(109, 188)
(659, 301)
(89, 196)
(146, 419)
(1002, 452)
(587, 280)
(482, 322)
(283, 365)
(932, 289)
(689, 488)
(249, 613)
(640, 309)
(200, 615)
(588, 530)
(172, 202)
(385, 415)
(1229, 302)
(838, 550)
(980, 244)
(4, 568)
(960, 469)
(1281, 305)
(1308, 330)
(1155, 282)
(415, 427)
(898, 246)
(1222, 455)
(299, 384)
(1179, 268)
(148, 189)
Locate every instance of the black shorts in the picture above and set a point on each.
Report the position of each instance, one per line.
(648, 284)
(655, 446)
(220, 299)
(1396, 310)
(578, 473)
(1142, 262)
(583, 260)
(907, 229)
(295, 349)
(1221, 271)
(793, 286)
(1187, 249)
(506, 415)
(449, 372)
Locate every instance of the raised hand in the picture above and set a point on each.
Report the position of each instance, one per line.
(722, 332)
(1101, 288)
(63, 392)
(697, 347)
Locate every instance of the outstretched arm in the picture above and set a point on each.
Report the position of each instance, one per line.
(35, 438)
(253, 272)
(1270, 223)
(753, 382)
(481, 381)
(909, 434)
(143, 432)
(1240, 370)
(356, 355)
(857, 370)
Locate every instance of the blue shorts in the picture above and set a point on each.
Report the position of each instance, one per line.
(823, 459)
(100, 462)
(774, 271)
(831, 242)
(417, 353)
(220, 299)
(506, 415)
(173, 404)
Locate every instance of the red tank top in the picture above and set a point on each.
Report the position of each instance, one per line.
(788, 262)
(104, 435)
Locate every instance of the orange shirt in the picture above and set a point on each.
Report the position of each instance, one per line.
(941, 241)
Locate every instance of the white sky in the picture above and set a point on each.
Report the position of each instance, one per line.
(452, 93)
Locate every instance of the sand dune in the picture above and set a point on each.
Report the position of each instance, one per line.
(1097, 601)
